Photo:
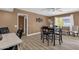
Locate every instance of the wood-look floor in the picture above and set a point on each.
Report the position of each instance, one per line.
(35, 43)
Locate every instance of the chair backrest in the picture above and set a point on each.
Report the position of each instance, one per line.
(4, 30)
(44, 29)
(19, 33)
(58, 30)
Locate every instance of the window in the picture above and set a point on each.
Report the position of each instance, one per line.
(66, 21)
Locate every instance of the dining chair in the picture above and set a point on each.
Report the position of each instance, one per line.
(45, 34)
(51, 34)
(19, 33)
(75, 30)
(58, 34)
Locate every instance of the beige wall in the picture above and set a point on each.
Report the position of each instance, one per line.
(76, 19)
(10, 19)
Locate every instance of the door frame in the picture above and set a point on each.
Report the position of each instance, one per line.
(25, 20)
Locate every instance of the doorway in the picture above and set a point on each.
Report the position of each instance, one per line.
(22, 22)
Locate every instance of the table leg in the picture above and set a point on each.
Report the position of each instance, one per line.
(54, 40)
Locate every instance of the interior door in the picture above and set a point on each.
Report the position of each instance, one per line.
(21, 22)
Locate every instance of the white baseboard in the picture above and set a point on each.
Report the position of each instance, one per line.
(33, 34)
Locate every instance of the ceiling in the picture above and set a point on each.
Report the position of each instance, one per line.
(46, 11)
(7, 9)
(49, 11)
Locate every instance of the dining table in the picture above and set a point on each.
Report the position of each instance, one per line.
(9, 40)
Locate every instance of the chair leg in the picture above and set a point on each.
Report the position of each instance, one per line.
(59, 41)
(54, 40)
(46, 37)
(51, 40)
(77, 34)
(47, 40)
(74, 34)
(43, 40)
(41, 36)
